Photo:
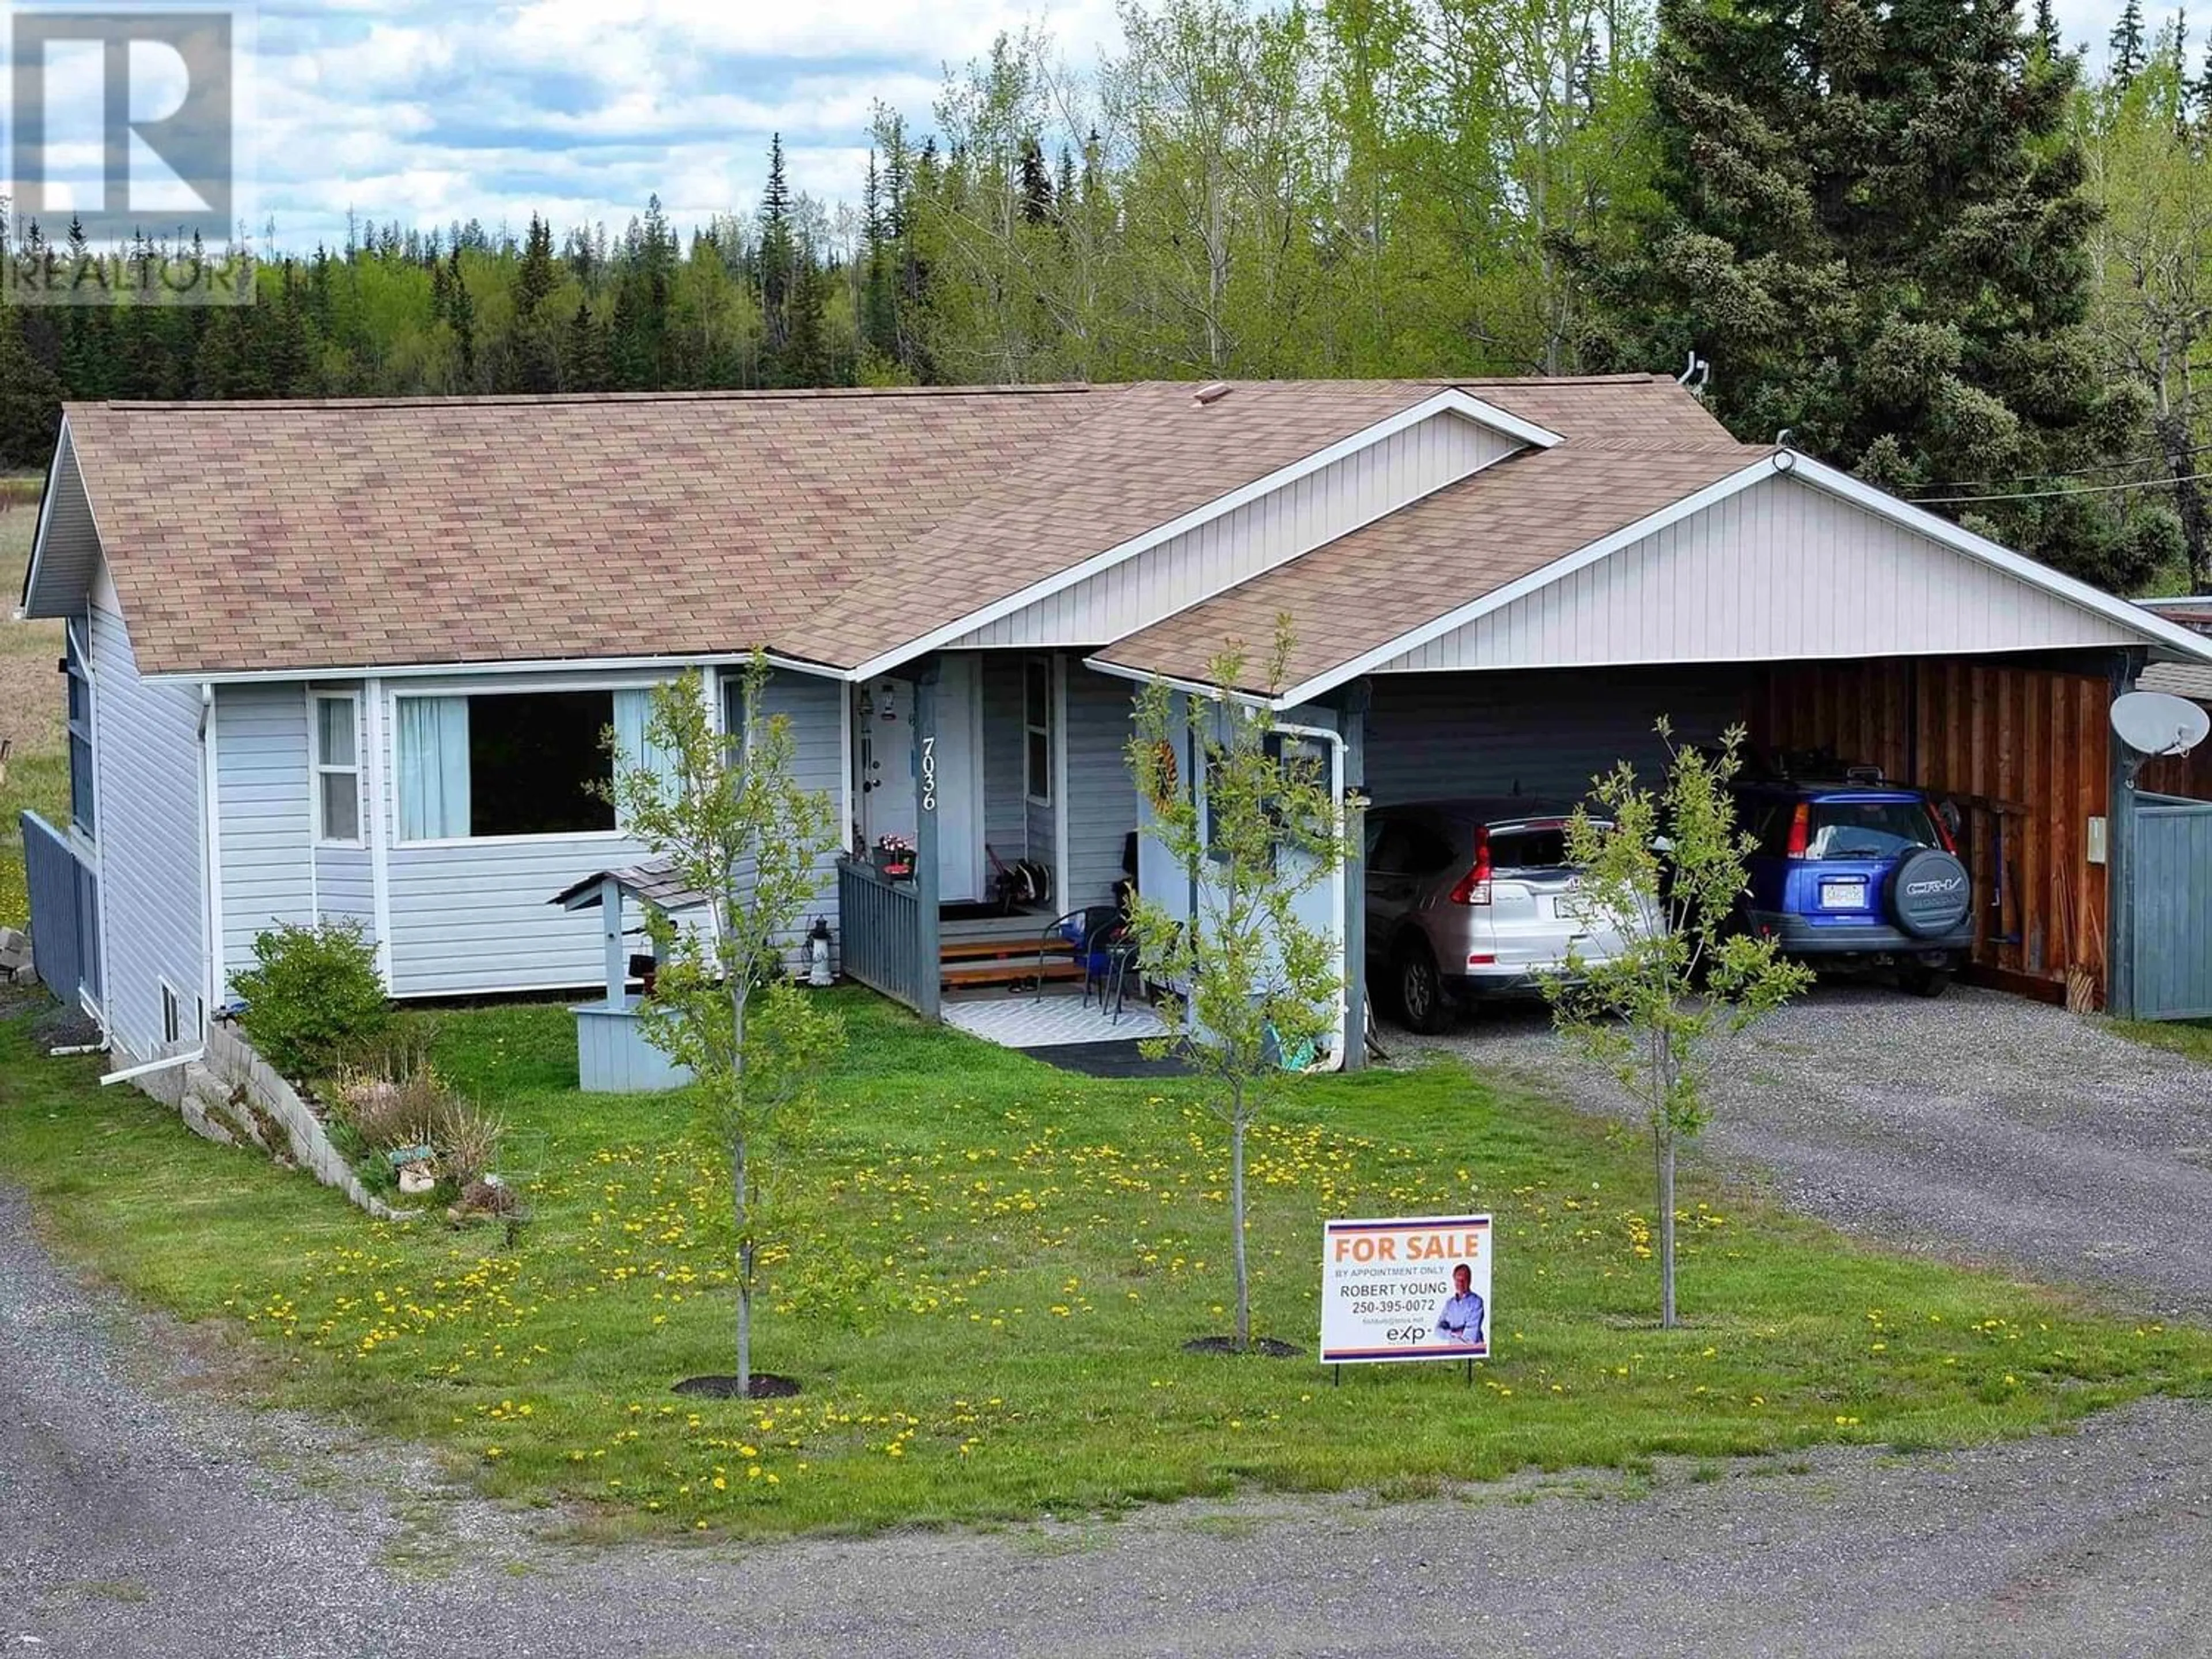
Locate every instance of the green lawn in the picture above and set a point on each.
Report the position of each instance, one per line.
(993, 1267)
(2192, 1037)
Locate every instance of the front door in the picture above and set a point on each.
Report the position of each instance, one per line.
(883, 756)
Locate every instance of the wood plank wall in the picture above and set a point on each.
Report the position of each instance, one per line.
(2023, 750)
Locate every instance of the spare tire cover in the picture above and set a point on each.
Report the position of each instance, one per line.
(1929, 894)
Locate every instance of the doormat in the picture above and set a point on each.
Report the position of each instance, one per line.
(1122, 1059)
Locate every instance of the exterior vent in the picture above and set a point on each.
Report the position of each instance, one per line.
(1211, 394)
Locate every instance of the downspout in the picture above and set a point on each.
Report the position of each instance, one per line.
(1335, 742)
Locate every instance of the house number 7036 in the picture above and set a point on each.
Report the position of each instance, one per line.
(929, 774)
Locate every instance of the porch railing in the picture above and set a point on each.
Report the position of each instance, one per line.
(887, 947)
(65, 911)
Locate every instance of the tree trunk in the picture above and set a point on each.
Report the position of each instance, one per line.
(1237, 1221)
(2173, 437)
(745, 1271)
(1666, 1149)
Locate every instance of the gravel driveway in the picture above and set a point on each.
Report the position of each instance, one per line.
(1981, 1125)
(144, 1515)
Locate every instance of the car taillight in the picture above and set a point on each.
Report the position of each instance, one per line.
(1800, 830)
(1944, 838)
(1474, 886)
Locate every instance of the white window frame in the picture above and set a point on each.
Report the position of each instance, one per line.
(518, 685)
(322, 769)
(77, 662)
(1030, 791)
(173, 1012)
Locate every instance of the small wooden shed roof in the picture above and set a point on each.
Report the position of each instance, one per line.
(654, 882)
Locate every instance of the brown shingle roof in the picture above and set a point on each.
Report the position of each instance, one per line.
(244, 536)
(1426, 560)
(829, 526)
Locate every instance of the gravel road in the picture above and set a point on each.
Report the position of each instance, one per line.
(1980, 1125)
(142, 1513)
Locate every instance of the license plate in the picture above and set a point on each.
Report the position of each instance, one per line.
(1843, 895)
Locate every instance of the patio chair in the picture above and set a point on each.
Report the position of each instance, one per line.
(1097, 937)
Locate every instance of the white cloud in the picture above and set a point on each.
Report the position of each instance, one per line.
(424, 112)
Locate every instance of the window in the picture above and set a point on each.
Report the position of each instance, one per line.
(1406, 847)
(510, 763)
(1868, 830)
(337, 769)
(80, 736)
(1036, 724)
(172, 1014)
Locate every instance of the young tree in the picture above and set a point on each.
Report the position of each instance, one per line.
(1666, 870)
(1253, 831)
(734, 823)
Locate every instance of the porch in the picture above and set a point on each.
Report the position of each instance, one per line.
(988, 797)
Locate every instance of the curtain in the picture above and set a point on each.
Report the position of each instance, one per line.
(633, 714)
(434, 769)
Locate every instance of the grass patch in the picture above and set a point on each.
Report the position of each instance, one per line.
(992, 1266)
(32, 703)
(2192, 1037)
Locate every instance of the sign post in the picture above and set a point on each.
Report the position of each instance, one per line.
(1416, 1288)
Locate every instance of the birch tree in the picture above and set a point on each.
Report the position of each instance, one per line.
(727, 814)
(1664, 870)
(1254, 986)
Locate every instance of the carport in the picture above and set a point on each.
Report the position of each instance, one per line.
(1521, 630)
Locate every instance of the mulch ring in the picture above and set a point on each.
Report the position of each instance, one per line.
(766, 1385)
(1268, 1346)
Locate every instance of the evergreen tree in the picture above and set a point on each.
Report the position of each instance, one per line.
(30, 398)
(1872, 226)
(2046, 27)
(584, 354)
(2127, 43)
(778, 256)
(805, 359)
(1035, 185)
(535, 277)
(461, 312)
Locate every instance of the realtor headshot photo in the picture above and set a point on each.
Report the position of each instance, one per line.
(1459, 1321)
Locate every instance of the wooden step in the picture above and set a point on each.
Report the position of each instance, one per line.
(1008, 973)
(963, 950)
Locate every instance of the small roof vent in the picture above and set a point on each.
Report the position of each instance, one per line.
(1211, 394)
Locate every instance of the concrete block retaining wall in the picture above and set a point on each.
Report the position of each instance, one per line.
(231, 1095)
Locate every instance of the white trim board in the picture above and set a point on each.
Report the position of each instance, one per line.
(2121, 612)
(61, 446)
(1447, 400)
(542, 665)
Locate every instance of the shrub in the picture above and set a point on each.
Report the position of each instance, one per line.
(313, 994)
(382, 1112)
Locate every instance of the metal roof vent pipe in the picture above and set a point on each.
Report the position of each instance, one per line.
(1211, 394)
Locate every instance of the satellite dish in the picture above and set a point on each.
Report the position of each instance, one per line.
(2154, 723)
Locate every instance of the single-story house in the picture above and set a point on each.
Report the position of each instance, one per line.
(353, 658)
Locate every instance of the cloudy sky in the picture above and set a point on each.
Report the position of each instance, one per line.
(428, 112)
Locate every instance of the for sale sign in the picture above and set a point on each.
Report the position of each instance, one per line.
(1416, 1289)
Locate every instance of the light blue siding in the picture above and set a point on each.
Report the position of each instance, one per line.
(1102, 798)
(146, 754)
(1006, 811)
(262, 807)
(473, 917)
(814, 708)
(345, 887)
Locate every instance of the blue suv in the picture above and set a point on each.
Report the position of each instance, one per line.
(1856, 875)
